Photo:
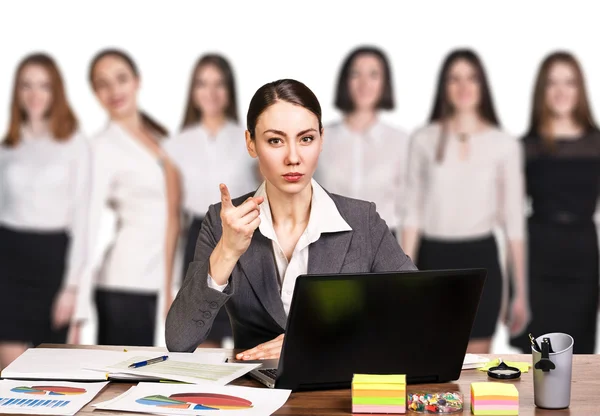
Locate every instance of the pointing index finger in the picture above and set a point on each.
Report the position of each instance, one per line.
(225, 197)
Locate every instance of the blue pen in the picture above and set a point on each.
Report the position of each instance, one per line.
(147, 362)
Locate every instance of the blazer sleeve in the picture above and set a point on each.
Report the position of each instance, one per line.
(196, 305)
(388, 255)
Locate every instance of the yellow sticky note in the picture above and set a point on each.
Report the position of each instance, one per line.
(379, 378)
(523, 366)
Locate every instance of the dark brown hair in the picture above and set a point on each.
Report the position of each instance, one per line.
(442, 108)
(193, 114)
(343, 100)
(148, 121)
(62, 120)
(288, 90)
(539, 124)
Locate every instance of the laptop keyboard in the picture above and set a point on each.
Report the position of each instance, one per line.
(269, 372)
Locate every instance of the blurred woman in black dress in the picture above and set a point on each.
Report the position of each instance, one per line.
(562, 151)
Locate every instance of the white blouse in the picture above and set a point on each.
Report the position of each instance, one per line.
(128, 179)
(206, 161)
(370, 165)
(458, 199)
(44, 186)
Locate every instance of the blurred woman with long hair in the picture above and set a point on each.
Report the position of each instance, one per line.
(464, 179)
(44, 163)
(134, 178)
(363, 156)
(209, 150)
(562, 149)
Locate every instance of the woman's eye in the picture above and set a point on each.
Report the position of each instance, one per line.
(307, 139)
(274, 141)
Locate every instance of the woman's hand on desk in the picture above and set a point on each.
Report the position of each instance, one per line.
(268, 350)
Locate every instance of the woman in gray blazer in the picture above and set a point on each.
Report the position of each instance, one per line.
(251, 249)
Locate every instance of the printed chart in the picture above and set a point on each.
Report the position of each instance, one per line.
(197, 401)
(188, 399)
(57, 398)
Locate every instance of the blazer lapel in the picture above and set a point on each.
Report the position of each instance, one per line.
(327, 254)
(259, 267)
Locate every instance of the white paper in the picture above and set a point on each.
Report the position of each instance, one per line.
(472, 361)
(187, 368)
(55, 364)
(46, 398)
(84, 364)
(210, 400)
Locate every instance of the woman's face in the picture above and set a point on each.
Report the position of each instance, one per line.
(463, 88)
(562, 91)
(34, 91)
(365, 81)
(116, 86)
(210, 93)
(287, 143)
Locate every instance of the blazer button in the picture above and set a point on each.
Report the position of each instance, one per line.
(207, 314)
(213, 305)
(200, 323)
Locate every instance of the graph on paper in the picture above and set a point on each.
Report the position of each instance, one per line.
(58, 398)
(31, 403)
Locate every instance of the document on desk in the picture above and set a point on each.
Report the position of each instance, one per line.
(472, 361)
(82, 364)
(188, 369)
(186, 399)
(46, 398)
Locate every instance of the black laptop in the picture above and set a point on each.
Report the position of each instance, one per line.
(415, 323)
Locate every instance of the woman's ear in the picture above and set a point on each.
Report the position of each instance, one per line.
(322, 138)
(251, 145)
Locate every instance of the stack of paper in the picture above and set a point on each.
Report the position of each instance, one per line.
(378, 393)
(100, 365)
(492, 398)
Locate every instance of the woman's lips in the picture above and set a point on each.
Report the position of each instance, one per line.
(293, 176)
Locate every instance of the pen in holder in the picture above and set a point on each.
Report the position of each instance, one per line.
(552, 358)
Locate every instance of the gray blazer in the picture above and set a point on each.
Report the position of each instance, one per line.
(252, 296)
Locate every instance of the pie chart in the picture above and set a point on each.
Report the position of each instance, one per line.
(197, 401)
(50, 390)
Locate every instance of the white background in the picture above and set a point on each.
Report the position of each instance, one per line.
(306, 40)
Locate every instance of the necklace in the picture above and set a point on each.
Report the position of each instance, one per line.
(463, 137)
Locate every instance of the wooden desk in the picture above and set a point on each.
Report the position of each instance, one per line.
(585, 390)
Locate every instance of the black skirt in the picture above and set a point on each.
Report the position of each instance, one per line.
(221, 327)
(563, 283)
(125, 318)
(465, 254)
(32, 268)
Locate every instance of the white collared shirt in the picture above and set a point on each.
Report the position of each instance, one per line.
(367, 165)
(44, 186)
(128, 179)
(458, 199)
(205, 162)
(324, 218)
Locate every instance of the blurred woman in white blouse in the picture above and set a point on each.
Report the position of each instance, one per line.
(209, 150)
(465, 178)
(44, 164)
(363, 157)
(133, 177)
